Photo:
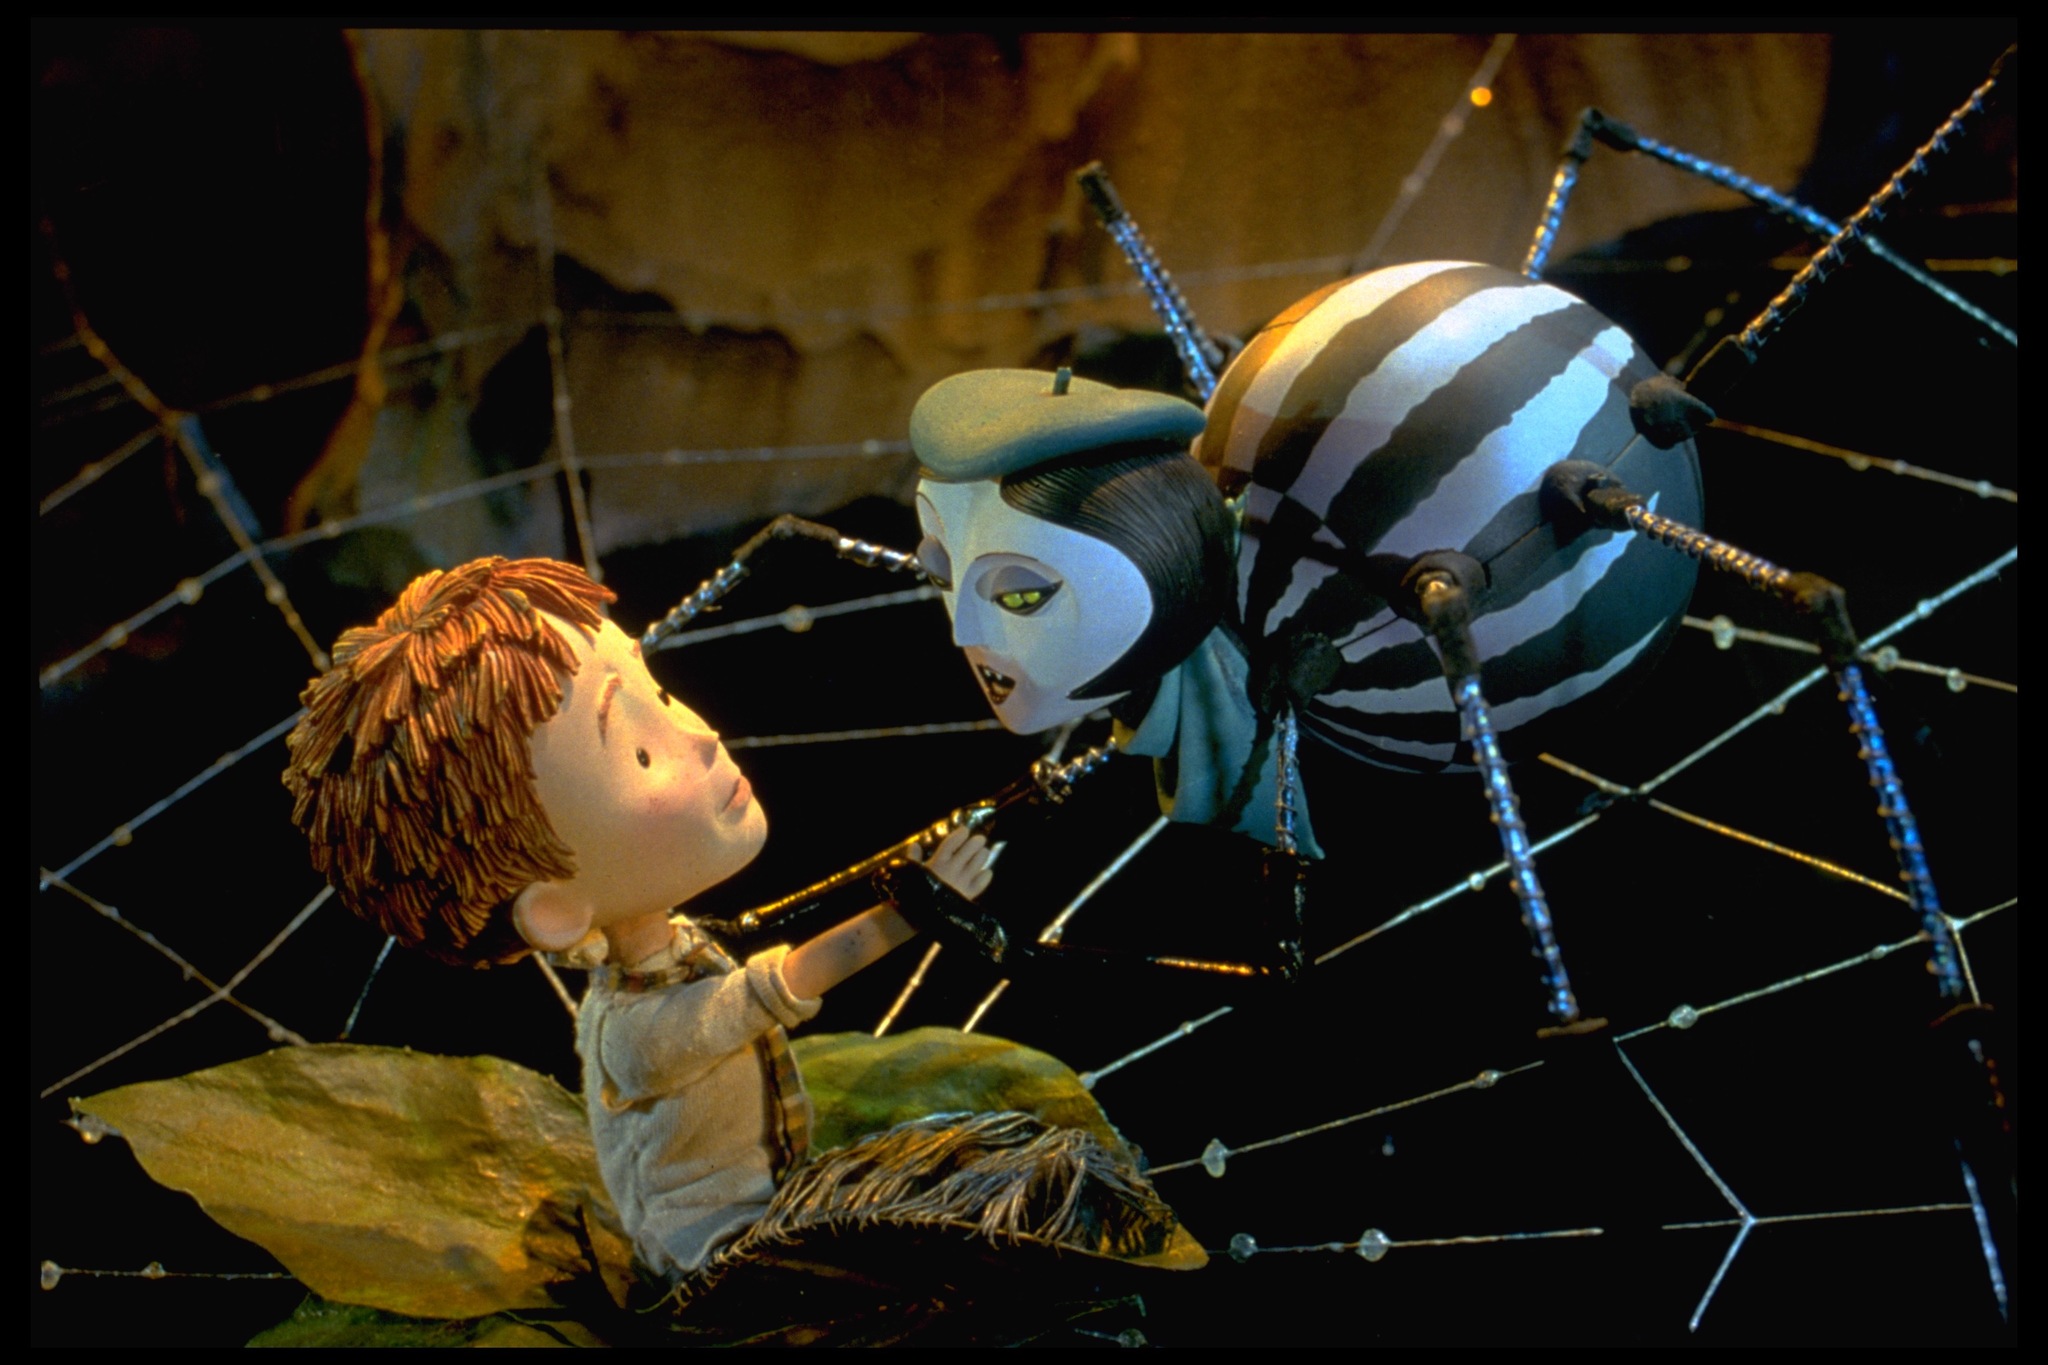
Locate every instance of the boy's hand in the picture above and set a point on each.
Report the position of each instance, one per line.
(963, 862)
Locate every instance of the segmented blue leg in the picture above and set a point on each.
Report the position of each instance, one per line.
(1594, 125)
(1287, 745)
(693, 606)
(1567, 178)
(1838, 643)
(1719, 369)
(1903, 829)
(708, 592)
(1200, 357)
(1444, 602)
(1055, 781)
(1506, 812)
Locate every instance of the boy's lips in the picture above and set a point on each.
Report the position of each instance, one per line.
(742, 792)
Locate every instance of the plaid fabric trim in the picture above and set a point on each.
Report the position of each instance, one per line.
(789, 1107)
(788, 1117)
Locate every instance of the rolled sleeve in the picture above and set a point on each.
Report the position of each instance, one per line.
(771, 988)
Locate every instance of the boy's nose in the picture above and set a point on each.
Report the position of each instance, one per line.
(701, 742)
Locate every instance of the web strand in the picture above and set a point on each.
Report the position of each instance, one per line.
(121, 834)
(278, 1032)
(1448, 130)
(1885, 660)
(1485, 1080)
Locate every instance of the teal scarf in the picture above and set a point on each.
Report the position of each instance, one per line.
(1216, 760)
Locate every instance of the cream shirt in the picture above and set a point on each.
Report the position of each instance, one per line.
(683, 1105)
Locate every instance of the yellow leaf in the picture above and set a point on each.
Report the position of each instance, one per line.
(444, 1187)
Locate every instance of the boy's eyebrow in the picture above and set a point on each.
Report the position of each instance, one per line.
(604, 705)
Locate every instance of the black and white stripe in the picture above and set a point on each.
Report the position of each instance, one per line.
(1415, 409)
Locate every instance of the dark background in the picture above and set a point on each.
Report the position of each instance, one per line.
(1824, 1098)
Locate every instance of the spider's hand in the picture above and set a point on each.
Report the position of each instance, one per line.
(934, 907)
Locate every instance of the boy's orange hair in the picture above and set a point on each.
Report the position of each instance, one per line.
(411, 773)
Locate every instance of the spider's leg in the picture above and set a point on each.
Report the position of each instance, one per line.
(1440, 587)
(1200, 354)
(782, 528)
(1731, 358)
(1582, 489)
(1965, 1044)
(1283, 875)
(1577, 149)
(1595, 126)
(1970, 1046)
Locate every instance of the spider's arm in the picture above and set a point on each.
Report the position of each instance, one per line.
(1045, 784)
(1277, 959)
(960, 866)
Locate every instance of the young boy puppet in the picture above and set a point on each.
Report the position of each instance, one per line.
(490, 770)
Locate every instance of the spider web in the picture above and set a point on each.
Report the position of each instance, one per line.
(1756, 1148)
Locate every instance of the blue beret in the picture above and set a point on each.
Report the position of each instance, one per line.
(987, 423)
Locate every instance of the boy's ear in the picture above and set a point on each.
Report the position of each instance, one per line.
(552, 917)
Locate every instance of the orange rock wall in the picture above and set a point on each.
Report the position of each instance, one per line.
(774, 239)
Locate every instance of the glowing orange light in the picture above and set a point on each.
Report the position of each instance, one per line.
(1481, 97)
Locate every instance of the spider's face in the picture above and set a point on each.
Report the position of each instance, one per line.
(1038, 609)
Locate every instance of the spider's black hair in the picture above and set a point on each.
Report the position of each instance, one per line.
(1153, 503)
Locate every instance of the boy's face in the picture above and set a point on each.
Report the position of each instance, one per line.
(638, 786)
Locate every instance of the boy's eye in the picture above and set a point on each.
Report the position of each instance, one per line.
(645, 761)
(665, 698)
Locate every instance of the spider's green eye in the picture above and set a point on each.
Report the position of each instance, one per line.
(1019, 589)
(645, 761)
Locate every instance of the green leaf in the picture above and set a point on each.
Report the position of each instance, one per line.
(861, 1084)
(320, 1323)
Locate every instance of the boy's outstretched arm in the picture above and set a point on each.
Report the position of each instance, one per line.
(819, 964)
